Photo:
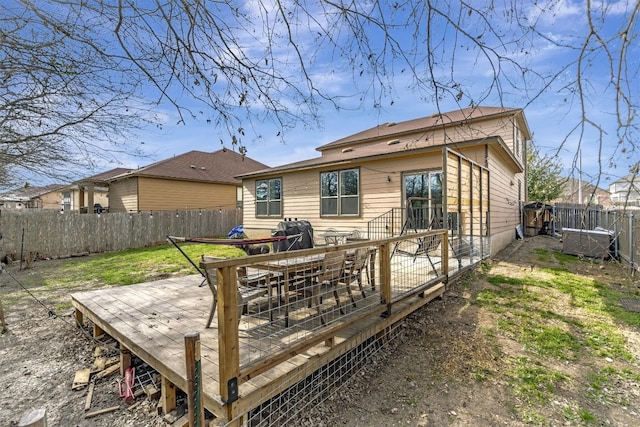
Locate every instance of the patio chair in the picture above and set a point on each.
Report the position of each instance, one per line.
(330, 273)
(250, 287)
(356, 269)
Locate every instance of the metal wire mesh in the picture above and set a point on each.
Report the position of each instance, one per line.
(299, 394)
(303, 296)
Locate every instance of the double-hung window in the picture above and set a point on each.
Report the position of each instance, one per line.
(269, 197)
(340, 193)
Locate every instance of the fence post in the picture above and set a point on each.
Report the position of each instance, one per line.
(3, 324)
(228, 339)
(444, 255)
(385, 275)
(631, 261)
(194, 379)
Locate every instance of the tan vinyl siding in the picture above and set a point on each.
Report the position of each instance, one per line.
(123, 196)
(301, 194)
(166, 194)
(504, 195)
(101, 198)
(483, 184)
(80, 197)
(51, 201)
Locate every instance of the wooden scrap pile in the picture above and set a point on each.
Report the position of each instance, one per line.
(106, 365)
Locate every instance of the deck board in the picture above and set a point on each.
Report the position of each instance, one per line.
(151, 320)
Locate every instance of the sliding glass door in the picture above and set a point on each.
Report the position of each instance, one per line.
(423, 199)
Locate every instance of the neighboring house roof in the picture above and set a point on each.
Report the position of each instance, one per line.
(627, 179)
(626, 189)
(102, 177)
(571, 192)
(221, 166)
(27, 193)
(99, 181)
(399, 138)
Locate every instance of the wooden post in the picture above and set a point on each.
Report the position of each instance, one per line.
(444, 247)
(385, 276)
(228, 340)
(97, 331)
(167, 395)
(125, 359)
(2, 321)
(79, 318)
(194, 379)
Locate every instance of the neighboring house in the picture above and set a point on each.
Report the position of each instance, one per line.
(194, 180)
(591, 195)
(82, 195)
(30, 197)
(467, 166)
(626, 191)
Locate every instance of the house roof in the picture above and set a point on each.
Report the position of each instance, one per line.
(105, 176)
(100, 179)
(221, 166)
(393, 139)
(627, 179)
(30, 192)
(432, 122)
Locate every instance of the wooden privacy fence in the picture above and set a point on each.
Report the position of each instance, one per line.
(626, 228)
(52, 234)
(573, 215)
(625, 225)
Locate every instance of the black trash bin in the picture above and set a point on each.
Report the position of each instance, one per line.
(293, 228)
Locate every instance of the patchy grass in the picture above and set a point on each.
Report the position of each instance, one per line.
(134, 265)
(557, 313)
(534, 383)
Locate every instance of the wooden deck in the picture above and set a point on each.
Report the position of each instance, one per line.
(151, 320)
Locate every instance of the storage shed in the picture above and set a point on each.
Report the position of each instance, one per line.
(539, 218)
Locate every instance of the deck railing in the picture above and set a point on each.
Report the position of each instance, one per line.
(301, 306)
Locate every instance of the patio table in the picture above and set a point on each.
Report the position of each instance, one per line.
(336, 237)
(288, 269)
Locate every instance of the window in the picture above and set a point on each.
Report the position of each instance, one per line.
(423, 191)
(518, 143)
(269, 197)
(66, 201)
(340, 193)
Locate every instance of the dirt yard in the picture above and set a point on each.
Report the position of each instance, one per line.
(462, 360)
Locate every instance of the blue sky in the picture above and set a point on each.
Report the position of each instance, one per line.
(551, 117)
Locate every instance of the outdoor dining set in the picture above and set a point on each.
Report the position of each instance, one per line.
(301, 280)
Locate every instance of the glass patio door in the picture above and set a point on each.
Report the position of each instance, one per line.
(423, 199)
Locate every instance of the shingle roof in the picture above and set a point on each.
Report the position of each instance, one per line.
(396, 138)
(30, 192)
(629, 178)
(221, 166)
(390, 130)
(102, 177)
(107, 174)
